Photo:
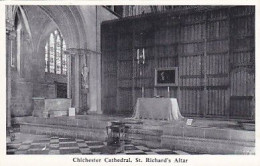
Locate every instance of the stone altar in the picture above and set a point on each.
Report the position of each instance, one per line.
(50, 107)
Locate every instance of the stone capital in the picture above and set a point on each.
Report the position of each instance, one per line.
(11, 34)
(75, 51)
(79, 51)
(9, 25)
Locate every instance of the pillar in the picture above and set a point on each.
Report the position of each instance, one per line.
(73, 77)
(76, 91)
(68, 75)
(10, 39)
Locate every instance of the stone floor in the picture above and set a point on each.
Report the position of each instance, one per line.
(42, 144)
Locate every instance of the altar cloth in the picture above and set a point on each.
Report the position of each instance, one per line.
(157, 109)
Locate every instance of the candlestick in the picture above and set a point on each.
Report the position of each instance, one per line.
(137, 56)
(143, 56)
(168, 92)
(142, 91)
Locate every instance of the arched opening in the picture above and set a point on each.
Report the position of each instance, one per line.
(56, 62)
(55, 58)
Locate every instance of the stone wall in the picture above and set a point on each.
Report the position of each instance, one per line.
(29, 79)
(21, 101)
(93, 17)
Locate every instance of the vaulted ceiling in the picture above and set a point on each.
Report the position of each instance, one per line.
(44, 19)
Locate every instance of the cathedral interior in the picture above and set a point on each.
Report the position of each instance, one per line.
(169, 79)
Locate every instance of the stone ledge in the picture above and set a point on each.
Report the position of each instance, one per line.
(61, 127)
(210, 133)
(208, 146)
(64, 121)
(146, 132)
(73, 132)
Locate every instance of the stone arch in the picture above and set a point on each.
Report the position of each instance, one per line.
(25, 21)
(70, 24)
(10, 15)
(68, 20)
(49, 28)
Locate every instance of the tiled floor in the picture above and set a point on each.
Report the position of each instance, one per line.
(56, 145)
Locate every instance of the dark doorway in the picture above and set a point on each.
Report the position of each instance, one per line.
(61, 90)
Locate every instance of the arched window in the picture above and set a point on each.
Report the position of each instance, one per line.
(55, 59)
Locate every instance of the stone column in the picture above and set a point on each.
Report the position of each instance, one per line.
(10, 39)
(73, 77)
(77, 81)
(68, 75)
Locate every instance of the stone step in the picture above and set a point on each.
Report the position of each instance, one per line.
(191, 139)
(210, 133)
(62, 121)
(64, 131)
(149, 132)
(57, 113)
(80, 128)
(179, 152)
(207, 145)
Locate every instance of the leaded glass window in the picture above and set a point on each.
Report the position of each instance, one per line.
(55, 59)
(46, 56)
(64, 59)
(52, 53)
(58, 55)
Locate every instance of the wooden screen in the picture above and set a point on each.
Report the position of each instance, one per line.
(213, 49)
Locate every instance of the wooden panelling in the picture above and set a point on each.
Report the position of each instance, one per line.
(218, 81)
(145, 70)
(241, 11)
(193, 18)
(217, 46)
(108, 42)
(242, 83)
(217, 102)
(219, 14)
(241, 107)
(109, 69)
(148, 92)
(125, 55)
(124, 41)
(190, 102)
(242, 60)
(188, 49)
(167, 35)
(192, 33)
(164, 51)
(243, 26)
(217, 63)
(218, 29)
(125, 98)
(144, 82)
(212, 49)
(125, 69)
(163, 92)
(190, 65)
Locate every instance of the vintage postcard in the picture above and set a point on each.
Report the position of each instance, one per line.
(136, 82)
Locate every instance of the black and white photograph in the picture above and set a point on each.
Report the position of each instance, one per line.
(161, 80)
